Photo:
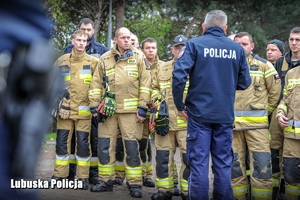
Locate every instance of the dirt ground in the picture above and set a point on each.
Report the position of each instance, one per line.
(44, 171)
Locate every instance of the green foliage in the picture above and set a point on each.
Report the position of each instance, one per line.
(164, 19)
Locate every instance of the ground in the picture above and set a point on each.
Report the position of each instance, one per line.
(44, 171)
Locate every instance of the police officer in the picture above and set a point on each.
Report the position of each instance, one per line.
(176, 136)
(216, 67)
(127, 82)
(24, 56)
(252, 108)
(78, 68)
(94, 49)
(283, 64)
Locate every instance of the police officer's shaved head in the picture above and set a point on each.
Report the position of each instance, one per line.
(215, 18)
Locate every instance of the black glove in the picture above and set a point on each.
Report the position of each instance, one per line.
(162, 121)
(142, 112)
(162, 125)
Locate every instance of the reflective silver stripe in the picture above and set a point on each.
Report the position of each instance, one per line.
(296, 124)
(96, 55)
(251, 113)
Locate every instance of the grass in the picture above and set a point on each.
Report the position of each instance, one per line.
(50, 136)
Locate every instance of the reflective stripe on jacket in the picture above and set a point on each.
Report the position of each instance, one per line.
(253, 105)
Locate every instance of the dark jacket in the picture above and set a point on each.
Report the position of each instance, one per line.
(94, 48)
(217, 67)
(278, 66)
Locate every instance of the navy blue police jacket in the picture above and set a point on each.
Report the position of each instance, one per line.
(94, 48)
(216, 67)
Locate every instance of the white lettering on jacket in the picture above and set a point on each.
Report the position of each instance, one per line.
(219, 53)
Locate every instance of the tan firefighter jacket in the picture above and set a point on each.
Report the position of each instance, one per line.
(129, 78)
(78, 72)
(290, 103)
(253, 105)
(162, 84)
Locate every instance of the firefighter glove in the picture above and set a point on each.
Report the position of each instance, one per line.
(64, 108)
(142, 112)
(109, 104)
(162, 125)
(162, 119)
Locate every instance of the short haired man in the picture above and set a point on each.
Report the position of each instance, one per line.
(94, 49)
(216, 67)
(128, 75)
(283, 64)
(78, 68)
(134, 41)
(252, 108)
(275, 49)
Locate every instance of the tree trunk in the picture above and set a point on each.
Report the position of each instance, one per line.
(120, 13)
(98, 18)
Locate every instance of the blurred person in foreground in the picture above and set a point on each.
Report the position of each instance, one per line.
(28, 84)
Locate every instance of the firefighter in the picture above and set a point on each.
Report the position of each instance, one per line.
(252, 108)
(288, 115)
(74, 113)
(123, 98)
(283, 64)
(166, 143)
(94, 49)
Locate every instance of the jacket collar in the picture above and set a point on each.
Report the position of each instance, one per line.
(215, 31)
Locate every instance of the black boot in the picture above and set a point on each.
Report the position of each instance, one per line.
(160, 195)
(118, 181)
(176, 191)
(135, 191)
(85, 183)
(103, 186)
(184, 197)
(94, 179)
(148, 182)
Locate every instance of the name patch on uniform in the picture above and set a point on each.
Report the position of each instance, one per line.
(219, 53)
(133, 74)
(86, 67)
(131, 61)
(253, 67)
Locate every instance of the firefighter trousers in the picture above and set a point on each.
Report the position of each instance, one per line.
(258, 144)
(131, 132)
(291, 168)
(94, 158)
(276, 145)
(165, 150)
(65, 128)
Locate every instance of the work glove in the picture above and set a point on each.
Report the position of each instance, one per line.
(142, 112)
(58, 100)
(109, 104)
(101, 117)
(64, 108)
(162, 119)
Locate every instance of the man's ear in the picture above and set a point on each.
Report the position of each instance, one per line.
(225, 28)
